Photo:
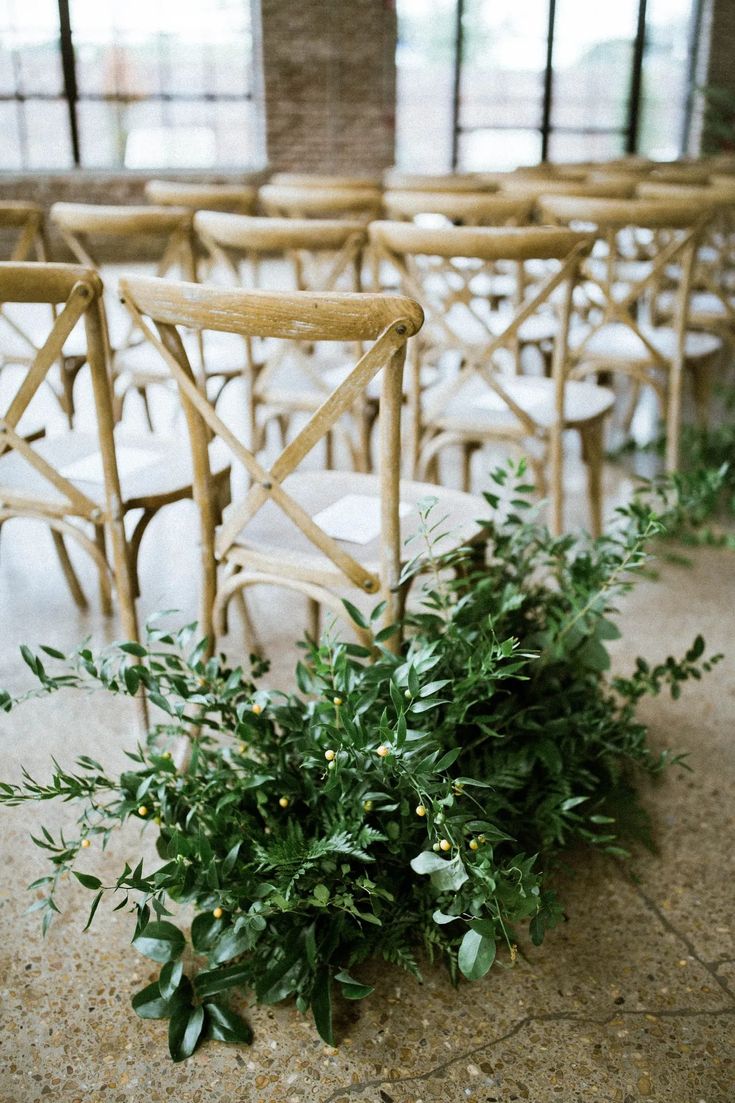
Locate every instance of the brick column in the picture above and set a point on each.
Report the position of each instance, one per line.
(329, 84)
(715, 70)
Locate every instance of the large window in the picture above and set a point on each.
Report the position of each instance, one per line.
(492, 84)
(143, 84)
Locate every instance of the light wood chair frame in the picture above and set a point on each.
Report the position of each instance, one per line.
(477, 208)
(678, 227)
(77, 293)
(387, 322)
(231, 240)
(288, 201)
(237, 198)
(77, 222)
(399, 244)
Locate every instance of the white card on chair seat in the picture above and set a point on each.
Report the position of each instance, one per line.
(354, 518)
(88, 469)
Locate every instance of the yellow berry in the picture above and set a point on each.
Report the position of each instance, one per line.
(407, 693)
(257, 709)
(142, 811)
(481, 838)
(420, 810)
(330, 755)
(217, 913)
(331, 765)
(368, 805)
(284, 802)
(243, 748)
(436, 846)
(383, 750)
(166, 754)
(337, 701)
(86, 843)
(444, 844)
(474, 845)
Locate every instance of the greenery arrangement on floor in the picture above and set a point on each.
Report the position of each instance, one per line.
(398, 806)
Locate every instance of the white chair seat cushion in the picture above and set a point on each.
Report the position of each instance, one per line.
(477, 408)
(617, 341)
(149, 468)
(703, 306)
(271, 533)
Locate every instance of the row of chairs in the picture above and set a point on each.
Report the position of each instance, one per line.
(454, 394)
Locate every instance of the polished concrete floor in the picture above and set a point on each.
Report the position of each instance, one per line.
(632, 998)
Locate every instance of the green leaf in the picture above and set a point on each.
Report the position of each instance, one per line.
(321, 1004)
(211, 981)
(184, 1031)
(170, 978)
(134, 649)
(321, 893)
(93, 909)
(205, 930)
(87, 880)
(353, 989)
(231, 943)
(150, 1004)
(160, 941)
(447, 759)
(355, 614)
(441, 918)
(224, 1025)
(476, 954)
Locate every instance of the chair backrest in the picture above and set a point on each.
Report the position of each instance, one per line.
(438, 182)
(165, 230)
(323, 180)
(240, 198)
(321, 202)
(385, 322)
(22, 223)
(321, 253)
(530, 188)
(465, 208)
(38, 487)
(448, 270)
(660, 237)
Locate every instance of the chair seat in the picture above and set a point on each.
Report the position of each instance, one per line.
(704, 307)
(270, 536)
(152, 471)
(617, 341)
(477, 408)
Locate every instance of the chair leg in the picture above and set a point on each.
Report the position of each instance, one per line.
(702, 388)
(314, 619)
(69, 573)
(104, 589)
(143, 392)
(134, 547)
(592, 454)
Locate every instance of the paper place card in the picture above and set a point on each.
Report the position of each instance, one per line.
(355, 518)
(88, 469)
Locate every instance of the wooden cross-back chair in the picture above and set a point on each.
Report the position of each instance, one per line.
(36, 479)
(618, 334)
(324, 180)
(286, 379)
(289, 201)
(24, 238)
(477, 208)
(438, 182)
(237, 198)
(477, 396)
(281, 533)
(712, 300)
(160, 238)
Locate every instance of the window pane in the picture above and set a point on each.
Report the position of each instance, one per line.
(47, 128)
(487, 149)
(11, 150)
(29, 39)
(583, 147)
(593, 56)
(504, 58)
(425, 74)
(665, 77)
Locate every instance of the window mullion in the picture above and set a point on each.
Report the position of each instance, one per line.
(636, 81)
(68, 63)
(548, 83)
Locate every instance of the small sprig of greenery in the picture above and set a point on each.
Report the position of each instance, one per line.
(397, 806)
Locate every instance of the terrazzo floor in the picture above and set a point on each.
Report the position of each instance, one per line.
(633, 998)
